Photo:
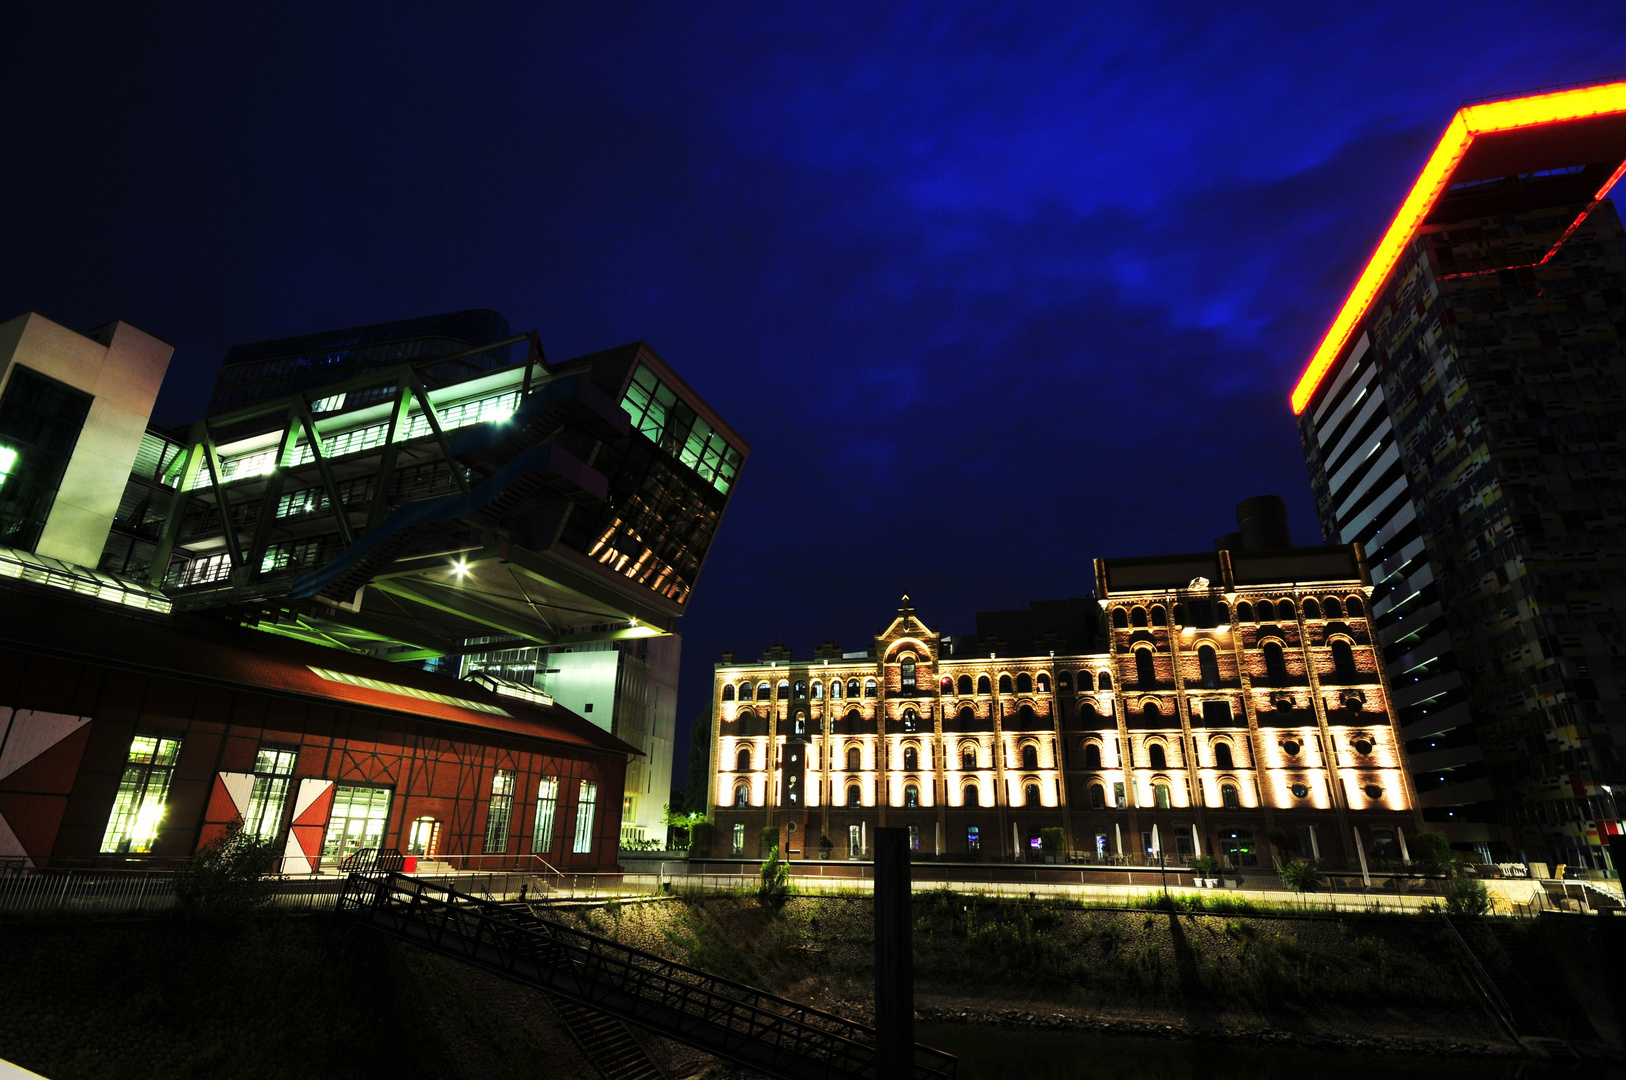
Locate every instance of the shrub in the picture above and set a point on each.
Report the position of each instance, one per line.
(1205, 865)
(700, 834)
(1466, 895)
(228, 875)
(770, 840)
(1300, 876)
(775, 875)
(1053, 841)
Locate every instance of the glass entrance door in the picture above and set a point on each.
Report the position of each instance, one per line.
(358, 820)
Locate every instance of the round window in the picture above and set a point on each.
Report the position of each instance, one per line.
(1292, 747)
(1373, 791)
(790, 826)
(1299, 791)
(1363, 746)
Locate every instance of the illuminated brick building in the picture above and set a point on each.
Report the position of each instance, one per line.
(1462, 421)
(1203, 702)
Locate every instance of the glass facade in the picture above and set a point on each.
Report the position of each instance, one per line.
(501, 811)
(273, 369)
(273, 776)
(661, 417)
(138, 808)
(547, 805)
(358, 820)
(40, 422)
(586, 800)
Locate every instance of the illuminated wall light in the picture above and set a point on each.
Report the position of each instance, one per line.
(8, 458)
(1468, 123)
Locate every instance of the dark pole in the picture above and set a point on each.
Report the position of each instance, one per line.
(894, 965)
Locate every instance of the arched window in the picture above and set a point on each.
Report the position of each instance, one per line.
(963, 687)
(1312, 609)
(869, 688)
(911, 759)
(1004, 684)
(852, 688)
(1224, 613)
(1208, 663)
(968, 758)
(1098, 797)
(1064, 680)
(1343, 660)
(1160, 793)
(946, 687)
(1030, 757)
(1024, 683)
(818, 691)
(983, 685)
(1159, 616)
(728, 692)
(743, 762)
(1156, 756)
(1025, 716)
(1284, 611)
(1332, 608)
(855, 795)
(1228, 797)
(1030, 795)
(1145, 668)
(745, 691)
(1275, 664)
(1180, 615)
(764, 691)
(1087, 712)
(1137, 616)
(1152, 713)
(909, 720)
(1353, 606)
(800, 690)
(1222, 756)
(854, 759)
(966, 715)
(1119, 620)
(1105, 681)
(971, 797)
(784, 689)
(835, 688)
(906, 673)
(742, 794)
(911, 796)
(1244, 612)
(1092, 756)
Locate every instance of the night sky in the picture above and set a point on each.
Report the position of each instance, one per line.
(992, 290)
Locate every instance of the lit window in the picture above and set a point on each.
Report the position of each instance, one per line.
(500, 812)
(421, 839)
(586, 797)
(547, 801)
(739, 839)
(973, 839)
(138, 809)
(356, 822)
(273, 769)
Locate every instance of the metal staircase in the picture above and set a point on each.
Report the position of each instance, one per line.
(606, 1042)
(768, 1034)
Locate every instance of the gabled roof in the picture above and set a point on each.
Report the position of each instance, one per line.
(191, 649)
(1545, 133)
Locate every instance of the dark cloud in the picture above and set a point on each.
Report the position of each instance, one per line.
(992, 291)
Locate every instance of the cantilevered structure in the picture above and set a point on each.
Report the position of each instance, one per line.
(1461, 419)
(414, 517)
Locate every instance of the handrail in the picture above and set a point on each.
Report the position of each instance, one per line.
(1483, 982)
(751, 1027)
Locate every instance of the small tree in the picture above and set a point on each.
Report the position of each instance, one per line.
(775, 874)
(228, 875)
(1300, 876)
(1433, 852)
(1466, 895)
(1053, 841)
(825, 844)
(1205, 866)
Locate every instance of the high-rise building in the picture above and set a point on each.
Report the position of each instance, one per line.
(1462, 420)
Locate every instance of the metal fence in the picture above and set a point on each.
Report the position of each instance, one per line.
(114, 892)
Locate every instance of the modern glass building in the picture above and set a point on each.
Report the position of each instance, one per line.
(1462, 420)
